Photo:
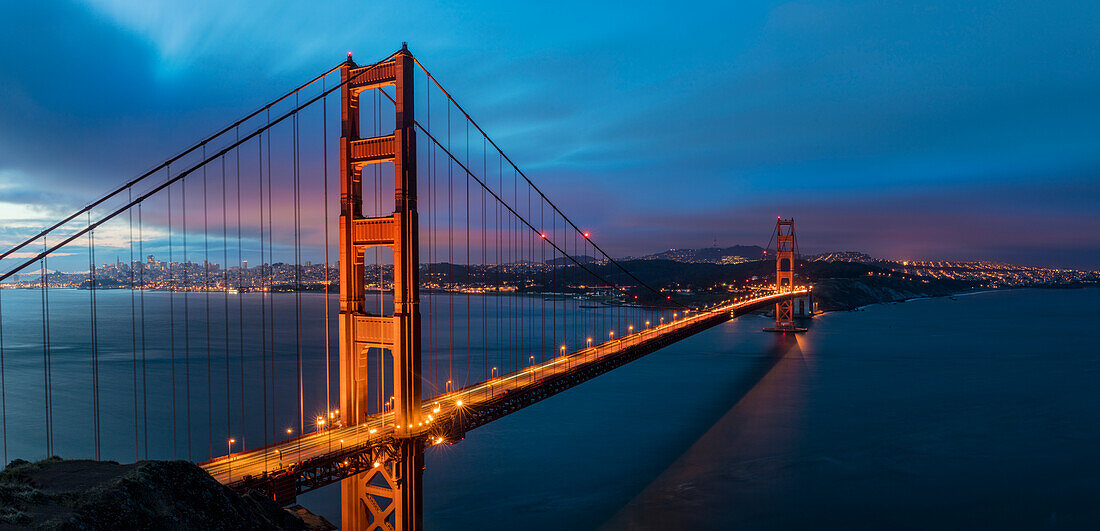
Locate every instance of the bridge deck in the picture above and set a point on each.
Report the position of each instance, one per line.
(313, 460)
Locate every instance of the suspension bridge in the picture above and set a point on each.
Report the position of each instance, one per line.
(464, 295)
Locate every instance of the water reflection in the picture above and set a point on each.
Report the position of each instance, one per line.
(754, 439)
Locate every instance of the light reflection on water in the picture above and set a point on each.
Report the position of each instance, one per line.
(960, 414)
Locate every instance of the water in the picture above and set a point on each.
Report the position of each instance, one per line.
(978, 412)
(160, 373)
(972, 413)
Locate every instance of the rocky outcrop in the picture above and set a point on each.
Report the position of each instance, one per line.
(84, 494)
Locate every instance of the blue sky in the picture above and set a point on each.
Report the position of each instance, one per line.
(964, 130)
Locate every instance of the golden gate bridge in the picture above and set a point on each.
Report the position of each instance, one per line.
(314, 393)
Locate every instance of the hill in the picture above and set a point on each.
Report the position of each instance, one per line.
(714, 255)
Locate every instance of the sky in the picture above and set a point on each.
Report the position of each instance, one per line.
(933, 130)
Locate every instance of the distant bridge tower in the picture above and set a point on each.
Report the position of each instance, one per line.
(784, 276)
(387, 496)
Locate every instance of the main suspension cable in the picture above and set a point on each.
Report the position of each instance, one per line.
(532, 184)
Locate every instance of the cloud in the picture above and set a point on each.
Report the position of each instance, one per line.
(625, 116)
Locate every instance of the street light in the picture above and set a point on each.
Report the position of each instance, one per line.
(231, 441)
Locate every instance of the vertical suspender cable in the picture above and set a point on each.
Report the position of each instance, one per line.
(263, 294)
(324, 212)
(513, 323)
(433, 384)
(172, 318)
(240, 285)
(484, 280)
(528, 271)
(298, 278)
(468, 353)
(269, 271)
(206, 300)
(133, 327)
(450, 263)
(225, 298)
(46, 351)
(144, 373)
(186, 315)
(95, 340)
(497, 230)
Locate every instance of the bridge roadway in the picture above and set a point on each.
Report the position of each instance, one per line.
(309, 461)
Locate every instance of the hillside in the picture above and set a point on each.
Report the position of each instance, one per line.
(713, 255)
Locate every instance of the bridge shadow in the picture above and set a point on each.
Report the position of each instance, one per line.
(721, 479)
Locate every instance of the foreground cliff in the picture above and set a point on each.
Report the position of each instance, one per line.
(83, 494)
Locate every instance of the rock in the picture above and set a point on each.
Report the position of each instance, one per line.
(86, 494)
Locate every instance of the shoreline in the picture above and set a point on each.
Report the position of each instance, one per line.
(958, 294)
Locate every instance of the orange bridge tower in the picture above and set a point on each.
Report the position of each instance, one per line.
(388, 495)
(784, 275)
